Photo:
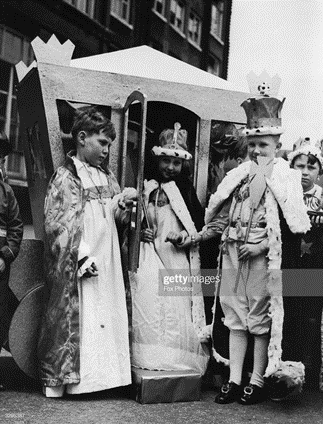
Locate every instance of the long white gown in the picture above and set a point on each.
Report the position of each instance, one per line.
(104, 342)
(163, 333)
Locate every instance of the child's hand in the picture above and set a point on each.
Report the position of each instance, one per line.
(91, 271)
(147, 235)
(2, 265)
(174, 237)
(249, 250)
(129, 193)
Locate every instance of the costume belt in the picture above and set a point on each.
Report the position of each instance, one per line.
(91, 193)
(245, 224)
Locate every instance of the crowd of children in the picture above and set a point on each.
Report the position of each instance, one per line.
(265, 216)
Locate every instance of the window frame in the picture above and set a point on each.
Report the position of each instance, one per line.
(196, 18)
(163, 14)
(217, 14)
(216, 61)
(114, 9)
(180, 4)
(83, 6)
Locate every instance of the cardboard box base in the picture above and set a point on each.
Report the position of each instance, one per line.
(166, 386)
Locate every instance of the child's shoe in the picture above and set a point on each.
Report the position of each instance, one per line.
(252, 394)
(229, 393)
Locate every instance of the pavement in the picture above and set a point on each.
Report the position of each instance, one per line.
(24, 403)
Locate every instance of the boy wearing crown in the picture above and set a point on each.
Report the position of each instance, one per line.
(256, 208)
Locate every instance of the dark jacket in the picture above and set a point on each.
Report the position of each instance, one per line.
(11, 225)
(11, 232)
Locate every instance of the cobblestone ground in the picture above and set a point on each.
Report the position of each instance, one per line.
(24, 403)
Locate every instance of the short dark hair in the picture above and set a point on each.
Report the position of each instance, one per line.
(91, 120)
(312, 160)
(240, 150)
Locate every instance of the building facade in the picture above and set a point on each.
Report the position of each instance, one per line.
(195, 31)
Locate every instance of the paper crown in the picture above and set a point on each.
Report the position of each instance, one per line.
(5, 145)
(263, 111)
(303, 146)
(172, 143)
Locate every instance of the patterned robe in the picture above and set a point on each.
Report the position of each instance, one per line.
(59, 341)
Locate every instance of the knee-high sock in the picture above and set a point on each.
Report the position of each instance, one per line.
(237, 350)
(260, 360)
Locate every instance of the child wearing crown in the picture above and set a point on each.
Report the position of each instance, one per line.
(257, 208)
(168, 320)
(303, 312)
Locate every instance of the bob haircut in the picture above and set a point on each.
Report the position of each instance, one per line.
(151, 168)
(312, 160)
(91, 120)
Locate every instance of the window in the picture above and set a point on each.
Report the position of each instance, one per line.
(214, 66)
(194, 29)
(122, 10)
(13, 48)
(177, 14)
(85, 6)
(217, 19)
(160, 7)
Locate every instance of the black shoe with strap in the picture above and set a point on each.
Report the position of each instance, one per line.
(230, 392)
(252, 394)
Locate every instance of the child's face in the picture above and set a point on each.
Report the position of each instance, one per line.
(93, 148)
(169, 167)
(263, 145)
(310, 172)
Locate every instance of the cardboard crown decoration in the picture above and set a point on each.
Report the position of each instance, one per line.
(263, 111)
(173, 143)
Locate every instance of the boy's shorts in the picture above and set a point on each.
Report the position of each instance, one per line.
(248, 308)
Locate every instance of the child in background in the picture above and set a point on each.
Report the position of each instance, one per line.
(11, 233)
(303, 311)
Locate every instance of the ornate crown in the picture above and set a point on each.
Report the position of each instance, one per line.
(263, 111)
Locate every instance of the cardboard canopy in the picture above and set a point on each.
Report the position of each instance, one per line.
(146, 62)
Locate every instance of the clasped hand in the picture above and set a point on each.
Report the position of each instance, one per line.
(91, 271)
(129, 195)
(249, 250)
(174, 237)
(147, 235)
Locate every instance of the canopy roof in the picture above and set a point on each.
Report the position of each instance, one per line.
(146, 62)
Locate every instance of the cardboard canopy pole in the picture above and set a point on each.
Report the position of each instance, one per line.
(135, 228)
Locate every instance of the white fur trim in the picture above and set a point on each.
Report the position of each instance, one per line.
(283, 187)
(285, 183)
(180, 209)
(262, 131)
(226, 187)
(178, 153)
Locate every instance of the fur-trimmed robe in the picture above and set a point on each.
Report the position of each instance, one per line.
(283, 192)
(59, 341)
(181, 211)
